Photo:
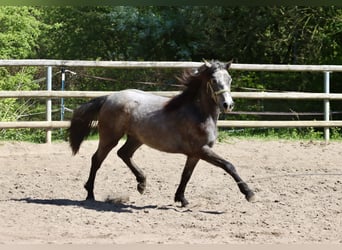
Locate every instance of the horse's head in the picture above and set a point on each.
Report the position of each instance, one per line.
(218, 84)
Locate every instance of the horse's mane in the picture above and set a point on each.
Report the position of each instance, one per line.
(192, 82)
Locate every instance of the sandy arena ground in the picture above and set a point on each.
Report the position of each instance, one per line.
(298, 187)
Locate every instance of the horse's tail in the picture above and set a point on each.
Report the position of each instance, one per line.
(81, 122)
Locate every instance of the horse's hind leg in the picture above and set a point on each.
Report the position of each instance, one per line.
(125, 153)
(187, 172)
(105, 146)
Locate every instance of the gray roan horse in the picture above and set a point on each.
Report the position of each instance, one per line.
(183, 124)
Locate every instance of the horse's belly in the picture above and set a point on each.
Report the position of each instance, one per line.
(157, 137)
(173, 137)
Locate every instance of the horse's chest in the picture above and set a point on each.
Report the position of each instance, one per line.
(208, 131)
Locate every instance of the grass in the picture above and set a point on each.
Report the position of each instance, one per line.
(38, 136)
(279, 133)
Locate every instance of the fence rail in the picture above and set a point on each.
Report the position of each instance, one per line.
(49, 94)
(220, 123)
(244, 95)
(142, 64)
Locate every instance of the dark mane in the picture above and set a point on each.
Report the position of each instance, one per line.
(192, 82)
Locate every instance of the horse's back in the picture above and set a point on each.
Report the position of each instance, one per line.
(126, 107)
(134, 96)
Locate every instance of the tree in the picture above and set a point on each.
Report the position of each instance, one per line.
(77, 33)
(262, 34)
(19, 32)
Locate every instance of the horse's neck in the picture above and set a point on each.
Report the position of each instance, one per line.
(207, 105)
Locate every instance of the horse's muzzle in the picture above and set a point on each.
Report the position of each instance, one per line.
(227, 107)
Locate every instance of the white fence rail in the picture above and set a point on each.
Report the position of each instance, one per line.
(49, 94)
(221, 123)
(141, 64)
(242, 95)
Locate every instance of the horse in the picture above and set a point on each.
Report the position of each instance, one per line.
(185, 124)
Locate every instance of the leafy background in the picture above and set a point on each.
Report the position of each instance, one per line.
(255, 34)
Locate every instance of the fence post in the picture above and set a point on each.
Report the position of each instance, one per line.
(62, 99)
(48, 103)
(326, 104)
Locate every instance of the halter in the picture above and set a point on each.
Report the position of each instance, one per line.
(213, 93)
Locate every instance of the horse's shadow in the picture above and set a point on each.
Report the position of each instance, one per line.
(105, 206)
(101, 206)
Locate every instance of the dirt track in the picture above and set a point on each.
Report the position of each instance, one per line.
(298, 187)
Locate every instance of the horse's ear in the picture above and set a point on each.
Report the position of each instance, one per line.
(206, 63)
(228, 64)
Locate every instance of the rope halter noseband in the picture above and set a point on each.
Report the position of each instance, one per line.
(214, 93)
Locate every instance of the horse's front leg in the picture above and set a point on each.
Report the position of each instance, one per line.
(187, 172)
(208, 155)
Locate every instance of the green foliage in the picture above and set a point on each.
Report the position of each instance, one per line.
(12, 108)
(76, 33)
(247, 34)
(277, 134)
(31, 135)
(336, 133)
(116, 33)
(19, 31)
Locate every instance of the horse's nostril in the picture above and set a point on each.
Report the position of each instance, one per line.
(227, 106)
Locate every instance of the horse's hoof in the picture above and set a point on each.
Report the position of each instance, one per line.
(182, 200)
(185, 203)
(250, 197)
(141, 187)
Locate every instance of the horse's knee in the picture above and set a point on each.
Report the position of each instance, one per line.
(122, 153)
